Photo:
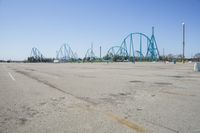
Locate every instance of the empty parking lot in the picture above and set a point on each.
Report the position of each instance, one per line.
(99, 97)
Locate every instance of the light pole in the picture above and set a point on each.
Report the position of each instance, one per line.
(183, 24)
(100, 51)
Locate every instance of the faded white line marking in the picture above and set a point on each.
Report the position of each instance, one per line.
(11, 76)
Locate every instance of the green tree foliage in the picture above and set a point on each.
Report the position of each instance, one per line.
(32, 59)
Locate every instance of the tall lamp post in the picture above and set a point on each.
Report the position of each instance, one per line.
(183, 24)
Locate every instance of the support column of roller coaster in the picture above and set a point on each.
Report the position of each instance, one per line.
(65, 54)
(90, 55)
(36, 54)
(128, 47)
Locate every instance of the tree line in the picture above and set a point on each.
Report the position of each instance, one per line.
(114, 58)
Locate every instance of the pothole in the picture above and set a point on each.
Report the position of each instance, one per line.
(163, 83)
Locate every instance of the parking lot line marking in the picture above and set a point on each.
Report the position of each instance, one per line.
(116, 118)
(11, 76)
(127, 123)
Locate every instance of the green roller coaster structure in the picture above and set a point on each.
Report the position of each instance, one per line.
(127, 50)
(65, 54)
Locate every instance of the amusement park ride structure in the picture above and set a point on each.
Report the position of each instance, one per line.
(147, 50)
(65, 54)
(90, 55)
(36, 54)
(127, 49)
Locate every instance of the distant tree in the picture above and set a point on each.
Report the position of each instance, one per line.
(179, 56)
(170, 56)
(197, 55)
(33, 59)
(107, 57)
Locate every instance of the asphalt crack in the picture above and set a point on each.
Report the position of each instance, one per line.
(45, 82)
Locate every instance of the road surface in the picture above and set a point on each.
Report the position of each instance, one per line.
(99, 98)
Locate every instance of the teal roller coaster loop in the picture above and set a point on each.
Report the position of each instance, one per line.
(129, 40)
(117, 51)
(36, 54)
(129, 45)
(65, 53)
(90, 55)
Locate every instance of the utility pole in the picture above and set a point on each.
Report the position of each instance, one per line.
(100, 51)
(183, 24)
(163, 52)
(91, 54)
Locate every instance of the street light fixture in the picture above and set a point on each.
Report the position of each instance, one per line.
(183, 24)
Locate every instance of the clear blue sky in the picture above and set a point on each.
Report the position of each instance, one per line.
(47, 24)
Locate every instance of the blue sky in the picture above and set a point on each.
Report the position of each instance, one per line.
(47, 24)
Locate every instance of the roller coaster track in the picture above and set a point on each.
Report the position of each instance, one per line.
(66, 54)
(127, 47)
